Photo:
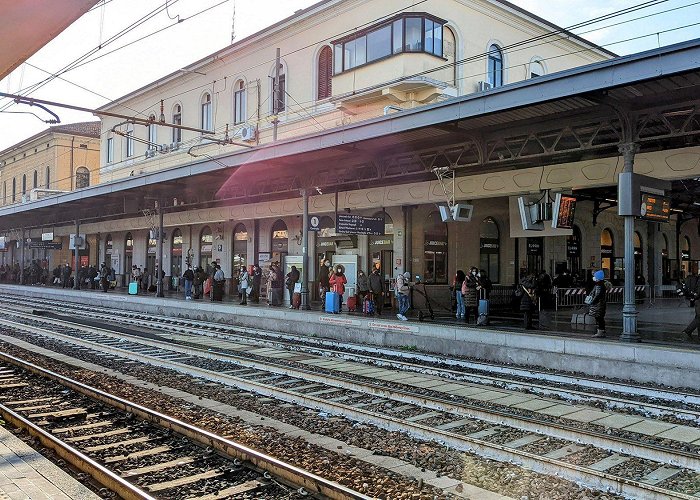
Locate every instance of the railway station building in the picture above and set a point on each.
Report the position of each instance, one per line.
(395, 112)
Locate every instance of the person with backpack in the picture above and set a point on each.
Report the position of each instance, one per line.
(199, 278)
(188, 276)
(402, 290)
(337, 281)
(527, 292)
(290, 281)
(597, 302)
(376, 287)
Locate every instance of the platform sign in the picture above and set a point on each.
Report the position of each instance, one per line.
(656, 208)
(563, 211)
(35, 243)
(47, 236)
(358, 224)
(314, 223)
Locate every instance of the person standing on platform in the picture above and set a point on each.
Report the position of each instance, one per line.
(219, 280)
(323, 283)
(527, 290)
(597, 302)
(244, 283)
(188, 276)
(66, 275)
(471, 295)
(337, 281)
(257, 281)
(290, 281)
(362, 286)
(376, 286)
(691, 291)
(457, 289)
(402, 290)
(199, 278)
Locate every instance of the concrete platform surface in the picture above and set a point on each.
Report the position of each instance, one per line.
(27, 475)
(671, 364)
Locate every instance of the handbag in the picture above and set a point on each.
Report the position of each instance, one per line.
(588, 300)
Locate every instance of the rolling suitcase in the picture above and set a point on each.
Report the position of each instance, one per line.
(296, 300)
(133, 288)
(483, 318)
(368, 305)
(352, 303)
(332, 302)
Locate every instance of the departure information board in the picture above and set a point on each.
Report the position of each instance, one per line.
(656, 208)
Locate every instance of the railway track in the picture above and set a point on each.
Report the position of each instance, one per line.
(138, 453)
(424, 407)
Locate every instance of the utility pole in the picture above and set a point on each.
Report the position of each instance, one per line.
(76, 250)
(159, 249)
(629, 309)
(305, 252)
(276, 96)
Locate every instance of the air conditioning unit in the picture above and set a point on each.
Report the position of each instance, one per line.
(484, 86)
(150, 153)
(174, 146)
(248, 133)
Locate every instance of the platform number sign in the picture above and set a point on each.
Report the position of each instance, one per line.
(314, 223)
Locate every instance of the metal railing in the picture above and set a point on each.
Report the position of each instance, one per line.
(574, 297)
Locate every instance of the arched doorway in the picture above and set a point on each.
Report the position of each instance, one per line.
(280, 242)
(490, 249)
(665, 261)
(206, 241)
(128, 256)
(381, 247)
(109, 250)
(325, 239)
(573, 252)
(435, 250)
(240, 247)
(176, 254)
(607, 253)
(638, 255)
(151, 254)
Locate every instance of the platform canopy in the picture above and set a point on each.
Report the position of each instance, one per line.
(28, 25)
(650, 98)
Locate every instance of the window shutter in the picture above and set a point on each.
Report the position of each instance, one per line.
(325, 73)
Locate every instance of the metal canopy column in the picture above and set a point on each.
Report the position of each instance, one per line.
(305, 252)
(21, 257)
(159, 249)
(629, 309)
(76, 255)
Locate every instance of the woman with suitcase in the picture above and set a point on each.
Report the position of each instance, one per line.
(337, 282)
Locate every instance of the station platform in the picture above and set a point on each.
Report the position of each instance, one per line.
(663, 357)
(26, 474)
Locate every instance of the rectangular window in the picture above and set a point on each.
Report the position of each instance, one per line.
(361, 51)
(397, 36)
(239, 105)
(130, 144)
(206, 116)
(177, 132)
(437, 37)
(349, 55)
(413, 40)
(338, 58)
(110, 150)
(379, 43)
(428, 28)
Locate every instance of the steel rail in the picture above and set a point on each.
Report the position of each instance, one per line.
(288, 473)
(599, 480)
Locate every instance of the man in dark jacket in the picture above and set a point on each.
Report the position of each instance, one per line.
(597, 302)
(257, 281)
(66, 275)
(691, 290)
(376, 286)
(323, 283)
(527, 290)
(290, 281)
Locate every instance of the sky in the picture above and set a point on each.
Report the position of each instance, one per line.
(189, 30)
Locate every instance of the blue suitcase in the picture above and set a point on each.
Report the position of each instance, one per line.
(332, 302)
(483, 318)
(133, 288)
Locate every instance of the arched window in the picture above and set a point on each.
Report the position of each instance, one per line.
(449, 51)
(536, 68)
(206, 241)
(495, 66)
(240, 247)
(177, 120)
(206, 120)
(278, 98)
(152, 132)
(24, 184)
(638, 255)
(490, 249)
(607, 252)
(176, 254)
(239, 103)
(128, 254)
(82, 178)
(35, 183)
(14, 189)
(280, 240)
(48, 177)
(573, 251)
(325, 73)
(435, 250)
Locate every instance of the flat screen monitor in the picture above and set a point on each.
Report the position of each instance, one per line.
(563, 211)
(656, 208)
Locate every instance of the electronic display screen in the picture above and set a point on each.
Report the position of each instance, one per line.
(656, 208)
(564, 209)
